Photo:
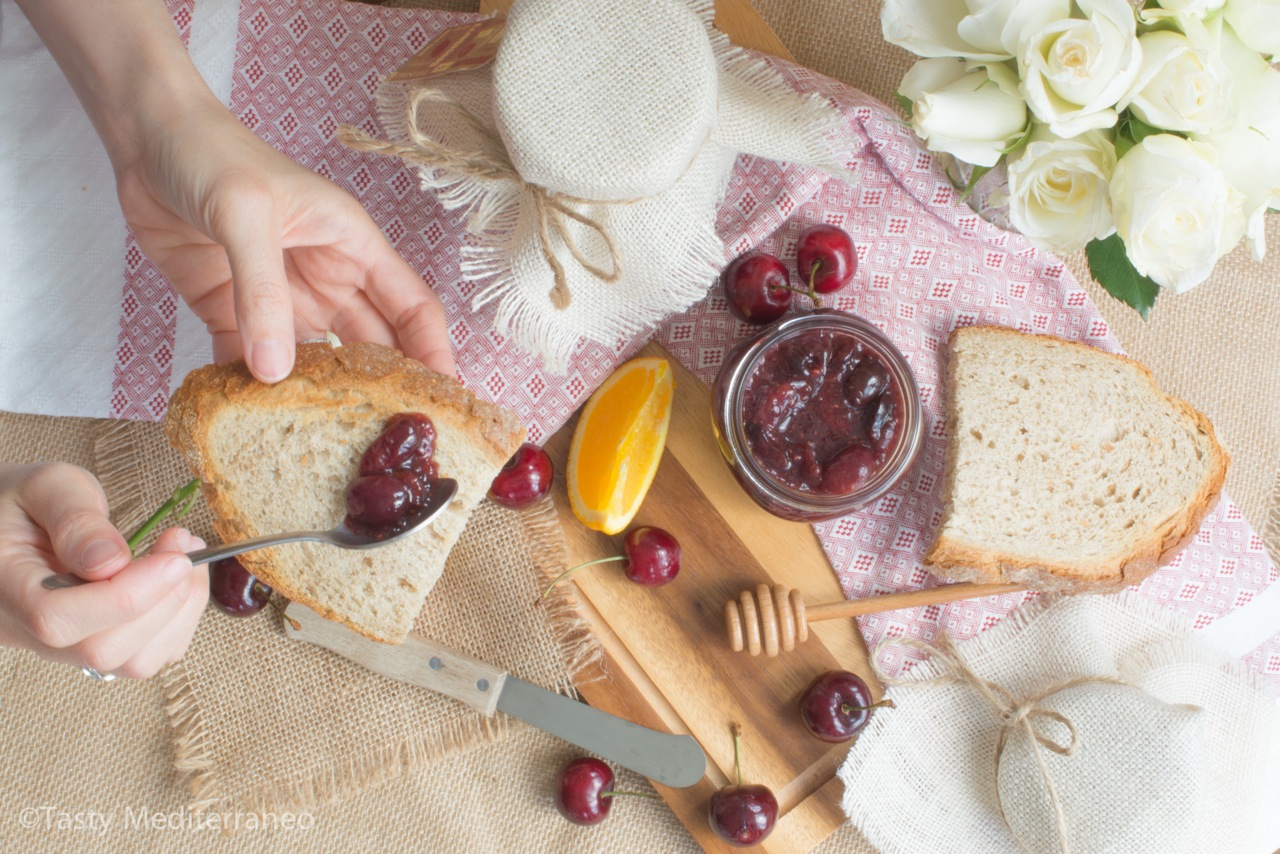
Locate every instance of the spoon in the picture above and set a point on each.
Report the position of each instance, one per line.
(442, 492)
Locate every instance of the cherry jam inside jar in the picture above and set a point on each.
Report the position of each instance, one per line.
(817, 416)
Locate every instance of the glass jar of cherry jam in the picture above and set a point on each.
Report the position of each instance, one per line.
(817, 416)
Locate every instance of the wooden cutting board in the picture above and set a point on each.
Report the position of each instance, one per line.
(667, 663)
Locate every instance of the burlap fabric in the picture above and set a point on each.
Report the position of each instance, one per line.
(90, 766)
(266, 723)
(86, 746)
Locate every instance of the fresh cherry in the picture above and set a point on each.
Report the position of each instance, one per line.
(583, 793)
(652, 556)
(757, 287)
(742, 815)
(825, 258)
(235, 590)
(580, 793)
(837, 705)
(525, 479)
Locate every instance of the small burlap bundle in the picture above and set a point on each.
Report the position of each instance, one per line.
(264, 723)
(1086, 724)
(590, 160)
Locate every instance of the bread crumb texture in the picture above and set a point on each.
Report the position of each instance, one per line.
(1067, 467)
(275, 458)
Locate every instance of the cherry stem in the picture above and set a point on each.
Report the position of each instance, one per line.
(612, 794)
(179, 504)
(562, 575)
(737, 752)
(813, 292)
(845, 708)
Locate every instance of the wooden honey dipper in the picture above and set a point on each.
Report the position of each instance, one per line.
(774, 619)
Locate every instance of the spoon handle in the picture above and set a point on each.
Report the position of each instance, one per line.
(209, 555)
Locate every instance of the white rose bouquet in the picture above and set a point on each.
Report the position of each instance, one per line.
(1147, 134)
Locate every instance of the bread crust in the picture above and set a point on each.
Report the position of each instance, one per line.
(954, 560)
(343, 375)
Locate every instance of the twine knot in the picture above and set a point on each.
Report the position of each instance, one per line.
(552, 210)
(1016, 714)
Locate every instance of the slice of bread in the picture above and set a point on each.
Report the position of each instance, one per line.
(276, 458)
(1068, 469)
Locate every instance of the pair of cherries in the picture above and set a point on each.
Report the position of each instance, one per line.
(758, 286)
(741, 815)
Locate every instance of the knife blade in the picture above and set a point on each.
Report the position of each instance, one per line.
(673, 760)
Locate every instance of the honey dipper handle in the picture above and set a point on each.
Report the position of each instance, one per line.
(911, 599)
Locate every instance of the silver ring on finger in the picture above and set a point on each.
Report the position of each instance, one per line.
(98, 675)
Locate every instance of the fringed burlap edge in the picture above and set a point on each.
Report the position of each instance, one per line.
(117, 461)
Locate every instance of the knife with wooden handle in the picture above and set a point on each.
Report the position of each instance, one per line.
(673, 760)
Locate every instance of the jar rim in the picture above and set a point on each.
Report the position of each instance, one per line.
(906, 448)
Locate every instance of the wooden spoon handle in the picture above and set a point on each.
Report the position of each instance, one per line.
(911, 599)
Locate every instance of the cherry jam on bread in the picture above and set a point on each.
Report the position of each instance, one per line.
(396, 474)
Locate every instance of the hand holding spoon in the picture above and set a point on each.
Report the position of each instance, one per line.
(442, 493)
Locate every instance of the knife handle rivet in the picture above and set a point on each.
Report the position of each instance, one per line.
(482, 684)
(435, 664)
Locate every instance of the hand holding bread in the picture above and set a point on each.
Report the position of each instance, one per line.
(279, 457)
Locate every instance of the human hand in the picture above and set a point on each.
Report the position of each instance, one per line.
(132, 619)
(265, 251)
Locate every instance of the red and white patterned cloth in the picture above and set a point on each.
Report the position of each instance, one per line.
(927, 264)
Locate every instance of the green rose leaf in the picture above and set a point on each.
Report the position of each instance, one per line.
(906, 103)
(1111, 267)
(974, 177)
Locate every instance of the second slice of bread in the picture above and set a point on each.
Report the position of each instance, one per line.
(1067, 467)
(276, 458)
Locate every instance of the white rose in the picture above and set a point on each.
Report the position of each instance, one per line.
(1175, 210)
(969, 109)
(1249, 151)
(970, 29)
(1058, 189)
(1075, 69)
(1255, 84)
(1181, 86)
(1250, 159)
(1191, 8)
(1257, 22)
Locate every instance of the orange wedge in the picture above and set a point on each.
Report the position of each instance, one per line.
(618, 443)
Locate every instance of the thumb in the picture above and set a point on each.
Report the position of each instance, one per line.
(68, 503)
(263, 303)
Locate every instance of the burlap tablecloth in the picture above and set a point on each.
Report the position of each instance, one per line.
(91, 753)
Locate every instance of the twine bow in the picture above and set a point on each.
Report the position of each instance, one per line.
(1015, 714)
(551, 210)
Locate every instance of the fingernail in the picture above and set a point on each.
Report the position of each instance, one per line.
(270, 359)
(98, 554)
(176, 570)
